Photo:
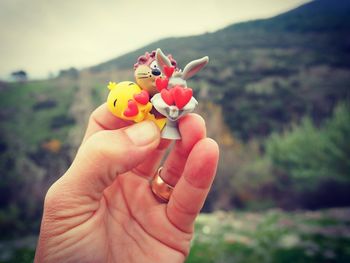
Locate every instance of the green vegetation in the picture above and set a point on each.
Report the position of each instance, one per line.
(308, 161)
(34, 114)
(310, 153)
(272, 236)
(305, 166)
(30, 109)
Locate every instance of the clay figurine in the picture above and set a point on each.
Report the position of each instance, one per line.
(128, 101)
(147, 70)
(175, 98)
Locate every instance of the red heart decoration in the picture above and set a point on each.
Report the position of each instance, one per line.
(167, 96)
(132, 109)
(182, 96)
(168, 71)
(142, 97)
(161, 83)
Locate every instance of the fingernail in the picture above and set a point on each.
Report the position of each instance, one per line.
(142, 133)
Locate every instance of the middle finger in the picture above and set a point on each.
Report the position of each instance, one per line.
(192, 129)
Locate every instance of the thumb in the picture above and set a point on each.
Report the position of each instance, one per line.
(105, 155)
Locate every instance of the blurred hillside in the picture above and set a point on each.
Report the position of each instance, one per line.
(272, 67)
(275, 95)
(321, 19)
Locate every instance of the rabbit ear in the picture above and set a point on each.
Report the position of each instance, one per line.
(162, 60)
(194, 66)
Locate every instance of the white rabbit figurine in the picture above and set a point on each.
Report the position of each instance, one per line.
(175, 98)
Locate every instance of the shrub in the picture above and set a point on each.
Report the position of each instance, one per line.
(316, 162)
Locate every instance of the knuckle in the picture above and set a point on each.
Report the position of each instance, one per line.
(50, 196)
(98, 145)
(53, 200)
(93, 115)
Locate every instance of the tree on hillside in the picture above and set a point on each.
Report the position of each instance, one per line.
(71, 73)
(19, 75)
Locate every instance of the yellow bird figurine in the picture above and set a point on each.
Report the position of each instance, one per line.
(128, 101)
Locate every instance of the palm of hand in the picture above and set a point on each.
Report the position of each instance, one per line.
(129, 211)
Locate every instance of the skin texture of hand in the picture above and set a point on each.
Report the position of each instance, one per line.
(103, 210)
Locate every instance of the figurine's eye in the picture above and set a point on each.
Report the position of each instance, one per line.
(154, 65)
(115, 102)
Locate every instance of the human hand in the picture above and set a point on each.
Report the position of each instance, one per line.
(103, 210)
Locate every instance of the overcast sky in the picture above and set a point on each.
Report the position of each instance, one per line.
(42, 36)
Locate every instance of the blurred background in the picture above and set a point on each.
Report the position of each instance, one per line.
(275, 96)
